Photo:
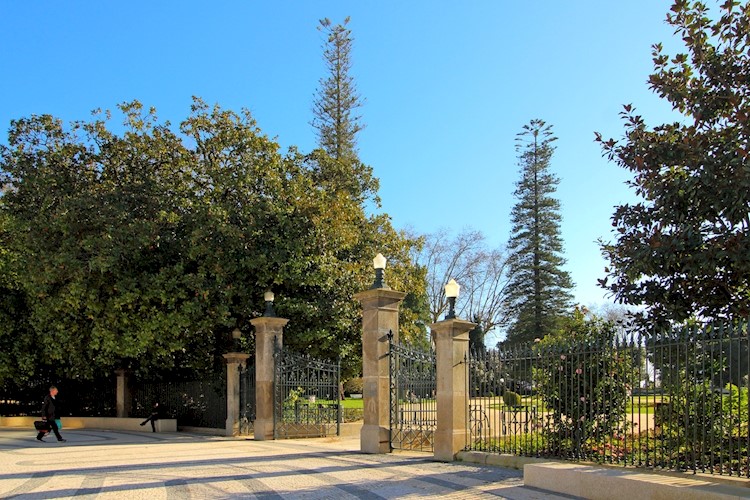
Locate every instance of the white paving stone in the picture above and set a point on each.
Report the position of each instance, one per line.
(121, 465)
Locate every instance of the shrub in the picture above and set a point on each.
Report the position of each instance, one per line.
(353, 386)
(511, 398)
(583, 379)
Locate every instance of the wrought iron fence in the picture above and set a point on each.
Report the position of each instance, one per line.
(80, 398)
(674, 400)
(247, 398)
(307, 400)
(195, 403)
(413, 407)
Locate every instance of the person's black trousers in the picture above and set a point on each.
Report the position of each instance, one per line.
(53, 428)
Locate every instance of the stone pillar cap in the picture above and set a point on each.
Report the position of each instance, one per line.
(269, 320)
(386, 293)
(235, 356)
(454, 324)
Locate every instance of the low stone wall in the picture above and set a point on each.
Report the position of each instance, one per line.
(209, 431)
(105, 423)
(584, 481)
(616, 483)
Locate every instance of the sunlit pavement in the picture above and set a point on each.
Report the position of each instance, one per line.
(107, 464)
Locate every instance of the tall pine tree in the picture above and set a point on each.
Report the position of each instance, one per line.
(539, 287)
(336, 101)
(346, 179)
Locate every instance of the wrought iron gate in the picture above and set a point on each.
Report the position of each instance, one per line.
(247, 398)
(307, 400)
(412, 399)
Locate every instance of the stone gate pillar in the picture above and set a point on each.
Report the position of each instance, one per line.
(233, 361)
(123, 399)
(380, 308)
(451, 352)
(269, 331)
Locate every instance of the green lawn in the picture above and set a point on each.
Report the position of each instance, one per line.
(643, 405)
(345, 403)
(353, 403)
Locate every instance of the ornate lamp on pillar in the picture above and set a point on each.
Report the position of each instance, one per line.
(379, 264)
(451, 291)
(236, 336)
(268, 297)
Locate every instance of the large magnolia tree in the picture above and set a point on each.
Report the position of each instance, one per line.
(684, 250)
(145, 249)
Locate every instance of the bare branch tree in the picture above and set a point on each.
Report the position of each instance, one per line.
(481, 272)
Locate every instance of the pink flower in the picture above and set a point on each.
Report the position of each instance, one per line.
(583, 398)
(578, 371)
(562, 356)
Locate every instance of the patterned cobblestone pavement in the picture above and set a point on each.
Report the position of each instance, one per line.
(108, 464)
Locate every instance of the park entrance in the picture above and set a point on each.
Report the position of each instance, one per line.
(247, 398)
(307, 400)
(413, 407)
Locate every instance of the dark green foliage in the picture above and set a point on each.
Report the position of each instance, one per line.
(539, 288)
(511, 398)
(354, 386)
(476, 337)
(704, 370)
(583, 380)
(684, 251)
(144, 250)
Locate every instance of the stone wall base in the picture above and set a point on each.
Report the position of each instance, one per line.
(105, 423)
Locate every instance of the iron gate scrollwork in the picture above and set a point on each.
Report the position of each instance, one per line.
(247, 398)
(413, 388)
(306, 396)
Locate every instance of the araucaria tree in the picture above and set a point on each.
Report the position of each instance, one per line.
(684, 250)
(539, 287)
(335, 107)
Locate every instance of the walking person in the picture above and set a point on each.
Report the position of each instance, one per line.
(153, 417)
(50, 413)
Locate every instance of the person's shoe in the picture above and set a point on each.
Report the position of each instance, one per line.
(39, 438)
(143, 423)
(61, 440)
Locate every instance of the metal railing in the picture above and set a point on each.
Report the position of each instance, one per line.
(306, 396)
(80, 398)
(675, 400)
(247, 398)
(194, 403)
(413, 407)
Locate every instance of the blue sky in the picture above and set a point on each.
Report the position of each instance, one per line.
(448, 85)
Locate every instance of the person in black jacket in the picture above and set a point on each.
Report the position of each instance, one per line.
(153, 417)
(50, 413)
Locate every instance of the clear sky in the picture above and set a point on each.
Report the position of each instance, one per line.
(447, 84)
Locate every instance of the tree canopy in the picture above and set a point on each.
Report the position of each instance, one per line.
(539, 287)
(684, 250)
(144, 249)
